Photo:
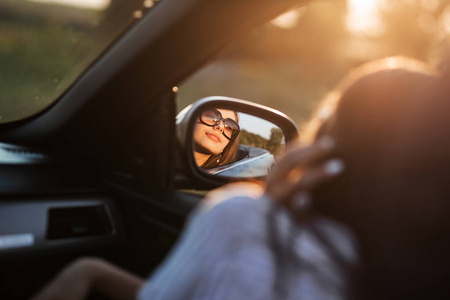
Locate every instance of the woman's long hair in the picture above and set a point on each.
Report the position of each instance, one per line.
(390, 125)
(228, 155)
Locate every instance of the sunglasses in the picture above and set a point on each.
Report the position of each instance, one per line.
(212, 117)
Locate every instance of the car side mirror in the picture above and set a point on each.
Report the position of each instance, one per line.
(223, 139)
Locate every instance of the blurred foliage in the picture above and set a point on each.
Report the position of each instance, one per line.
(252, 139)
(292, 69)
(35, 78)
(274, 144)
(45, 47)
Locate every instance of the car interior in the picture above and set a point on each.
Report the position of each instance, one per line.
(92, 172)
(96, 151)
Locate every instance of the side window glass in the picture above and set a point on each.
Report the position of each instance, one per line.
(292, 62)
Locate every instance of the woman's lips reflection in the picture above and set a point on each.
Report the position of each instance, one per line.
(213, 137)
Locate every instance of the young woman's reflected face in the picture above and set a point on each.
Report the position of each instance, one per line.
(210, 140)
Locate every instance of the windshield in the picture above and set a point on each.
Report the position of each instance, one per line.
(45, 45)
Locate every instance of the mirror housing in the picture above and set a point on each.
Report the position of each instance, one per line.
(188, 173)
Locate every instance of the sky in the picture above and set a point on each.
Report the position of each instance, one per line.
(362, 18)
(91, 4)
(256, 125)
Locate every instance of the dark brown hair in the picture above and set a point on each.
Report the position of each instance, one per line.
(395, 192)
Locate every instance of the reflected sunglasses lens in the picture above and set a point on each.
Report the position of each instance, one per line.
(231, 128)
(213, 117)
(210, 117)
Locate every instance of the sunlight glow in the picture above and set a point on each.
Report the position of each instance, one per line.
(290, 19)
(431, 5)
(89, 4)
(445, 19)
(363, 18)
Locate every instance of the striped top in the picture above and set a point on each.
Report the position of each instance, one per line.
(226, 253)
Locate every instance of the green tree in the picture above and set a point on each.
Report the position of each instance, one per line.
(274, 144)
(253, 140)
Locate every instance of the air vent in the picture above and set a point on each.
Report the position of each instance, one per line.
(72, 222)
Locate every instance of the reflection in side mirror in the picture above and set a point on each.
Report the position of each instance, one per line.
(235, 144)
(222, 139)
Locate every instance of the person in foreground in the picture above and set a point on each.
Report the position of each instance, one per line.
(300, 235)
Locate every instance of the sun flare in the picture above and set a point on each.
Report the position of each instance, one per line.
(363, 18)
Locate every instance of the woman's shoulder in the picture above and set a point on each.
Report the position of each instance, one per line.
(238, 211)
(236, 205)
(236, 199)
